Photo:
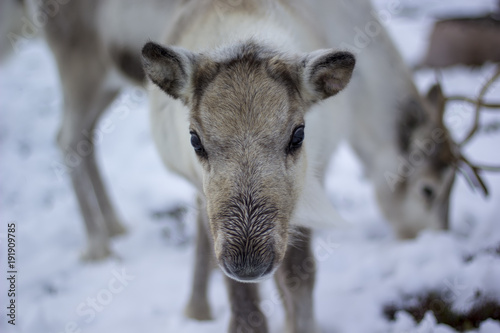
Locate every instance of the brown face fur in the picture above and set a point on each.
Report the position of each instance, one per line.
(247, 110)
(245, 120)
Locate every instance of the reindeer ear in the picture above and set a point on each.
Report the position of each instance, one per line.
(327, 72)
(169, 68)
(436, 98)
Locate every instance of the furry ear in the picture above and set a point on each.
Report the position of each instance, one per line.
(327, 72)
(411, 115)
(169, 68)
(437, 100)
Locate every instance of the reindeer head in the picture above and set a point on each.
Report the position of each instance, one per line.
(247, 106)
(418, 195)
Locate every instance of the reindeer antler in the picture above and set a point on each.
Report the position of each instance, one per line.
(464, 165)
(479, 103)
(471, 173)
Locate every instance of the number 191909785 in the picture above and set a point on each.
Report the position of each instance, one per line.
(11, 243)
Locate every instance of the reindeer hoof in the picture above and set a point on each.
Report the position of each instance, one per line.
(241, 324)
(116, 229)
(95, 254)
(198, 311)
(313, 329)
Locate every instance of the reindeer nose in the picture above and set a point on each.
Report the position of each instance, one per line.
(247, 270)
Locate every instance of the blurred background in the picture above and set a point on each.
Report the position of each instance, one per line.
(368, 281)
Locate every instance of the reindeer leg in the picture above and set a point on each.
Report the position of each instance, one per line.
(97, 247)
(113, 225)
(246, 316)
(198, 307)
(295, 280)
(84, 68)
(86, 96)
(78, 124)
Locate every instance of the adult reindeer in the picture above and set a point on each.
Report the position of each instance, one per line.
(398, 135)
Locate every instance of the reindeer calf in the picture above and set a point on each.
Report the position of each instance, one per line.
(235, 121)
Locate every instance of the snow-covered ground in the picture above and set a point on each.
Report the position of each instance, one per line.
(145, 286)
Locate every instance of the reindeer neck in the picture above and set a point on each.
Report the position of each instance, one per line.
(381, 86)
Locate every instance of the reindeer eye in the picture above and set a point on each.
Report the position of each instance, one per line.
(297, 139)
(428, 192)
(196, 143)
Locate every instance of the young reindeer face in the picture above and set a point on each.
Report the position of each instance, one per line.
(247, 107)
(420, 199)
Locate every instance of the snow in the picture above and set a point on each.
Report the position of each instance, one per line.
(145, 286)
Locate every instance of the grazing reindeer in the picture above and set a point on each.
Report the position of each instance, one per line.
(398, 135)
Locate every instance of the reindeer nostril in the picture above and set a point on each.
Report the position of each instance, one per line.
(247, 271)
(428, 193)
